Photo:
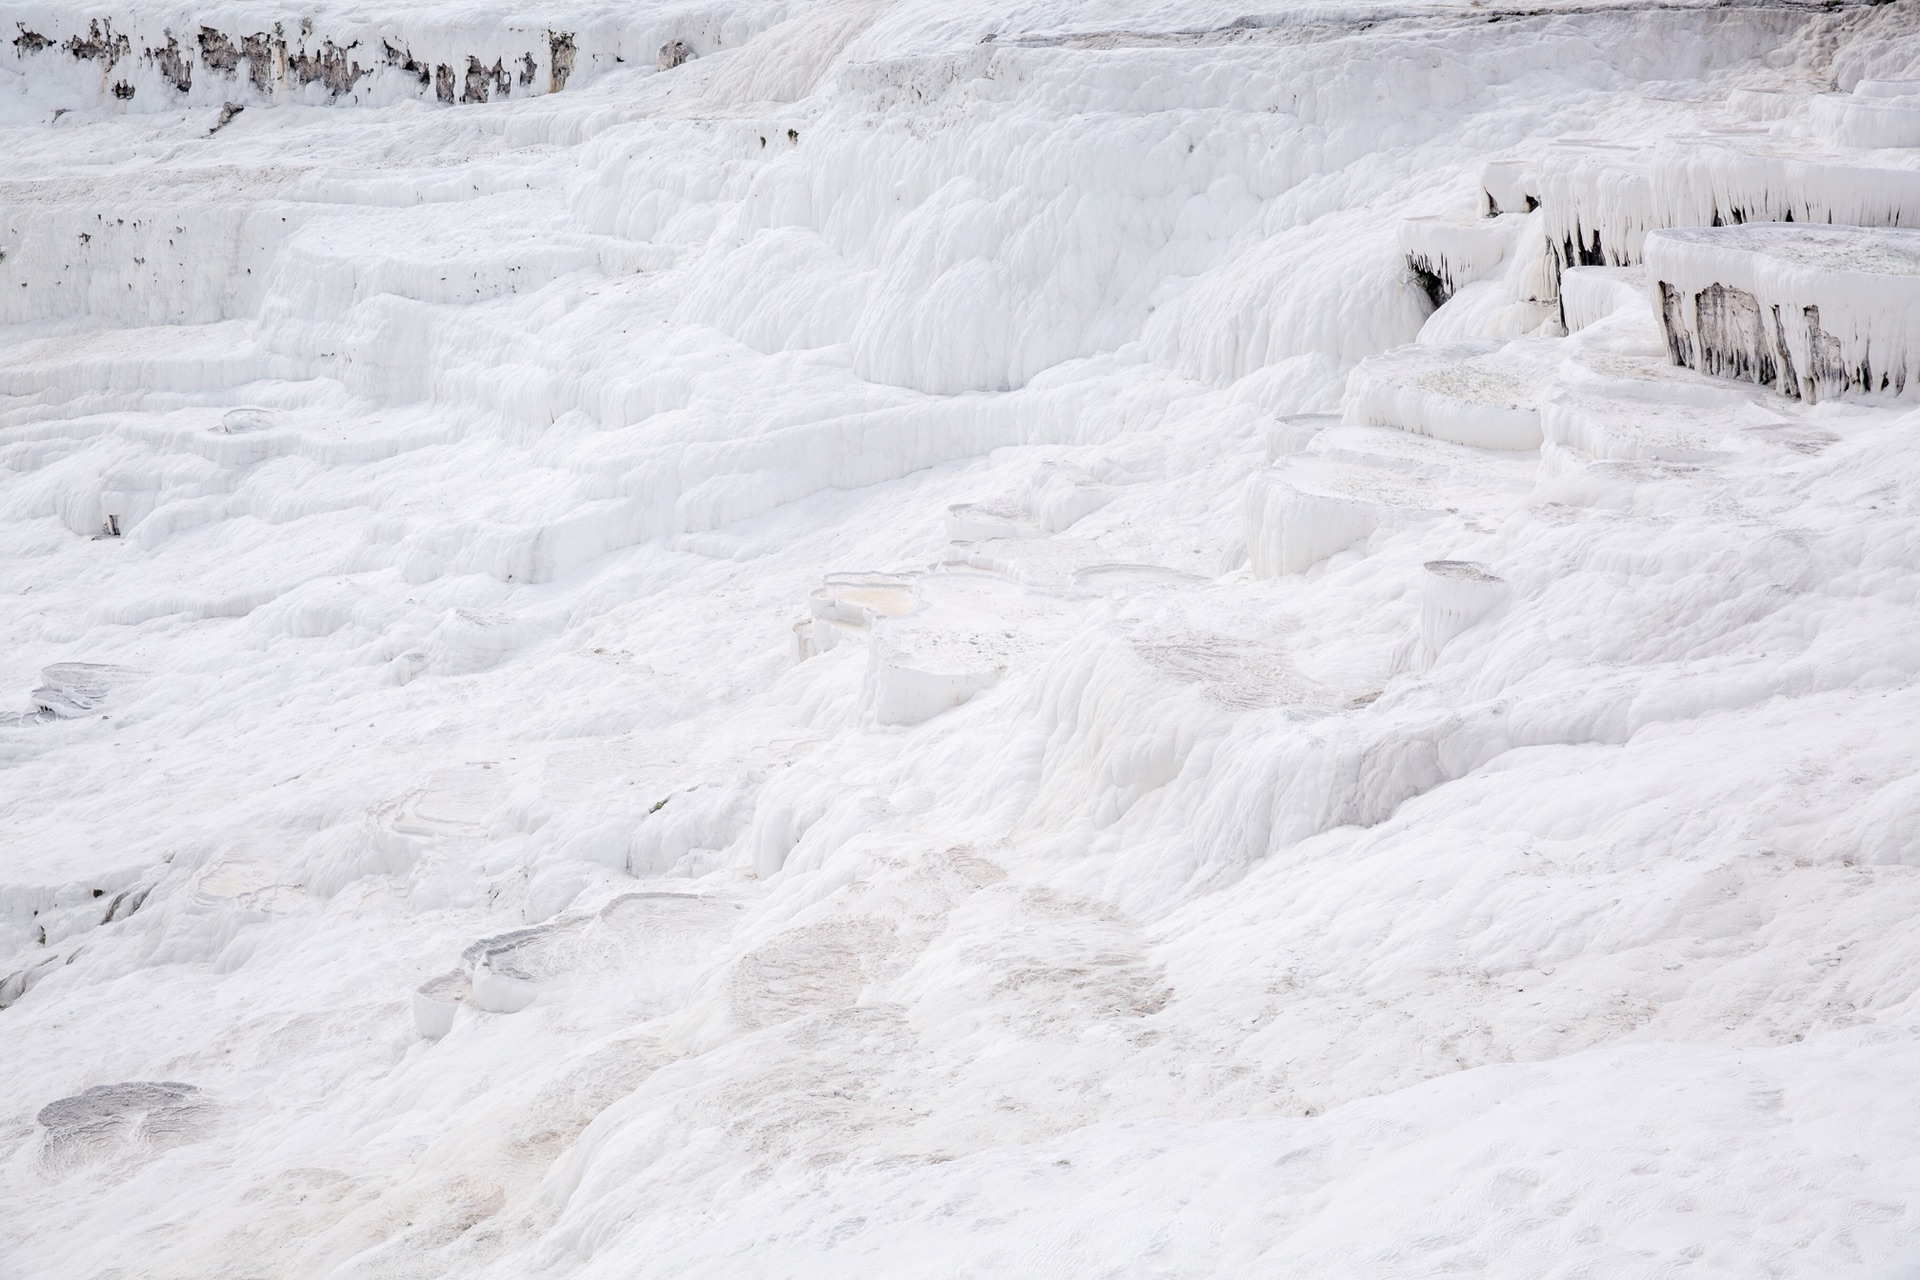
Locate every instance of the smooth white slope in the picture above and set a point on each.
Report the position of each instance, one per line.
(1226, 931)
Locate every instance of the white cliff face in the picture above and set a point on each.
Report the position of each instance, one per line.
(868, 639)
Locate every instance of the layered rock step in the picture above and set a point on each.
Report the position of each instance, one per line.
(1484, 393)
(1293, 433)
(1765, 105)
(971, 629)
(1718, 179)
(1049, 565)
(847, 606)
(1589, 295)
(1878, 113)
(1598, 201)
(437, 1000)
(1446, 254)
(1509, 185)
(1621, 408)
(1353, 481)
(1812, 312)
(670, 934)
(1056, 498)
(1454, 595)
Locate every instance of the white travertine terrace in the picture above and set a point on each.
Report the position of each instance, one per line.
(875, 638)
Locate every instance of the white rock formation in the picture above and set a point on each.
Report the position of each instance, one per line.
(884, 638)
(1816, 312)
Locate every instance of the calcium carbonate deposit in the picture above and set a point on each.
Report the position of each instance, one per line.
(898, 638)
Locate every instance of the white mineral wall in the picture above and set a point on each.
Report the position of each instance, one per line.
(1709, 180)
(1815, 312)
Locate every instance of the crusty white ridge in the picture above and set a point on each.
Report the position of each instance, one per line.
(874, 638)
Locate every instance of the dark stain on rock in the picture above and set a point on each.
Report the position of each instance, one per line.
(560, 55)
(1432, 283)
(99, 44)
(260, 50)
(404, 60)
(1789, 381)
(443, 82)
(329, 65)
(29, 41)
(482, 81)
(125, 903)
(673, 53)
(218, 52)
(1673, 320)
(527, 67)
(1733, 342)
(178, 70)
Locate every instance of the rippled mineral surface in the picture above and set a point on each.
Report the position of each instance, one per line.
(1035, 638)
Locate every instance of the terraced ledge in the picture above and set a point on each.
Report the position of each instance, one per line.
(1812, 312)
(1481, 392)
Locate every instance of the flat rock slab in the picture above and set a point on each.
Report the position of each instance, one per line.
(1813, 312)
(1871, 121)
(1482, 392)
(1715, 179)
(1352, 481)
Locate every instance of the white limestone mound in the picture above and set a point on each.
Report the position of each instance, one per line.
(1294, 432)
(72, 690)
(1354, 480)
(971, 631)
(1615, 408)
(1887, 89)
(1061, 495)
(508, 971)
(1454, 595)
(1765, 105)
(1228, 672)
(1481, 392)
(1047, 565)
(1589, 295)
(1598, 201)
(1293, 524)
(1627, 428)
(921, 672)
(1311, 507)
(437, 1000)
(847, 606)
(986, 521)
(1057, 497)
(1873, 120)
(1446, 254)
(1716, 179)
(1814, 312)
(1509, 186)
